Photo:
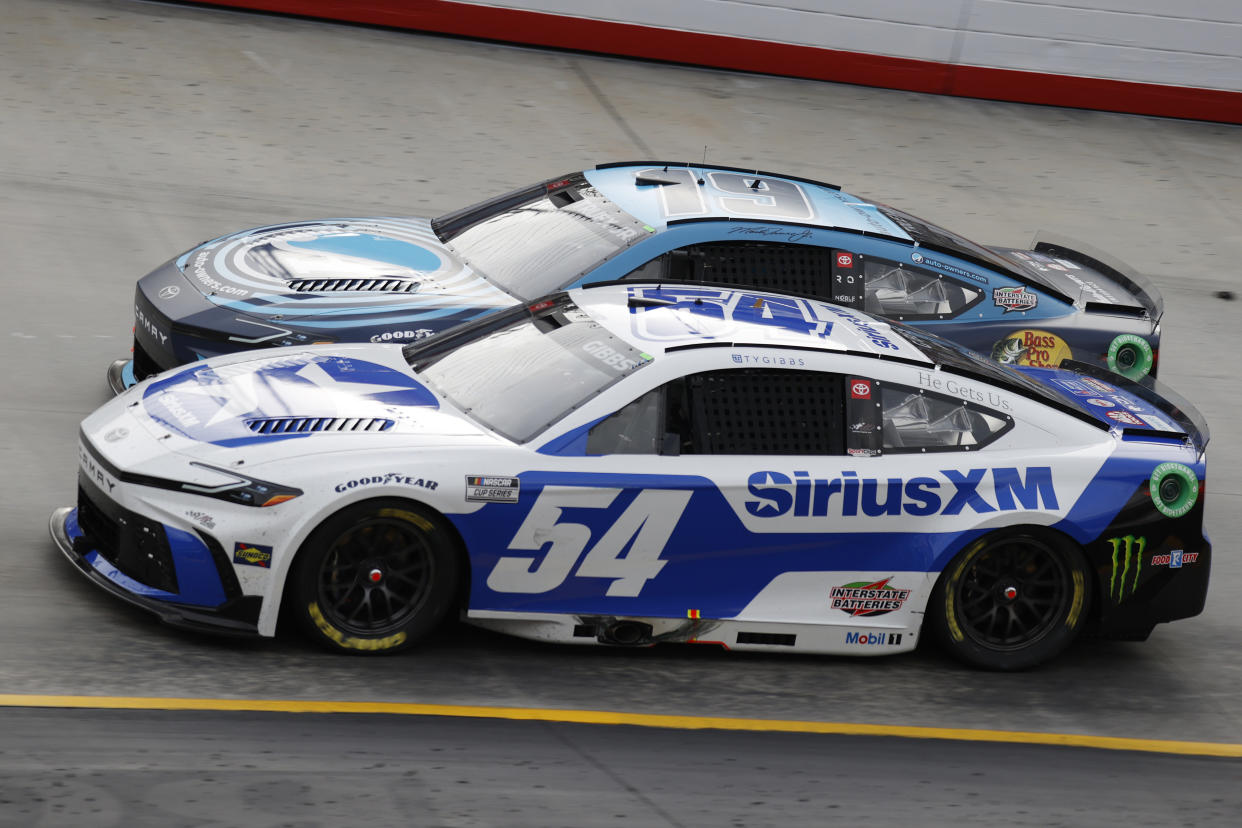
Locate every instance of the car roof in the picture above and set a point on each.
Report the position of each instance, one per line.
(655, 317)
(659, 193)
(666, 194)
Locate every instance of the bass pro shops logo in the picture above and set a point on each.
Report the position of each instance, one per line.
(1127, 558)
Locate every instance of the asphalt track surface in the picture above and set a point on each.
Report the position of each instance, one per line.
(130, 131)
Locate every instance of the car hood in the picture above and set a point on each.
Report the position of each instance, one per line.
(337, 267)
(280, 403)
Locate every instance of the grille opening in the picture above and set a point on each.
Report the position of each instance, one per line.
(802, 269)
(757, 411)
(353, 285)
(779, 639)
(310, 425)
(138, 547)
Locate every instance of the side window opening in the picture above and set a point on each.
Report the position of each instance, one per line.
(794, 268)
(760, 411)
(638, 428)
(887, 419)
(909, 293)
(855, 280)
(741, 411)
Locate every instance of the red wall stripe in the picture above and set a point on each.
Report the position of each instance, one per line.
(725, 52)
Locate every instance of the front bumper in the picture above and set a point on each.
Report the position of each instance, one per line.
(121, 375)
(236, 616)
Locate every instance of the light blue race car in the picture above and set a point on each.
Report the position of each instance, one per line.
(403, 279)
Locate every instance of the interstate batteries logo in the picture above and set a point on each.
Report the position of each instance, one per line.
(868, 598)
(1014, 299)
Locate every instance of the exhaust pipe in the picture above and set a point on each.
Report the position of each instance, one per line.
(625, 633)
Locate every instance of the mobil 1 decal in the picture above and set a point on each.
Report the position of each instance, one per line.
(848, 285)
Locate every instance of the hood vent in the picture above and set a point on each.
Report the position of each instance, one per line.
(308, 425)
(353, 285)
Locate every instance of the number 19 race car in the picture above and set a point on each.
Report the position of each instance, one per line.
(401, 280)
(631, 464)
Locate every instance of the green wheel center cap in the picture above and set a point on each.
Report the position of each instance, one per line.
(1174, 489)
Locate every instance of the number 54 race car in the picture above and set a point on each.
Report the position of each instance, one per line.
(632, 464)
(402, 280)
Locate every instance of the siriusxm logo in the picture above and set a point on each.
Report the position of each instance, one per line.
(979, 490)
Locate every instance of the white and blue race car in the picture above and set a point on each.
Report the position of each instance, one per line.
(627, 464)
(404, 279)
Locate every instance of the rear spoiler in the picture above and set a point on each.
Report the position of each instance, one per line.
(1158, 395)
(1142, 288)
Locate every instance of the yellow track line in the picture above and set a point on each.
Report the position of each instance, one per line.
(634, 719)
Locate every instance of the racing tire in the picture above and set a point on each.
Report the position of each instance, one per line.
(1011, 600)
(375, 578)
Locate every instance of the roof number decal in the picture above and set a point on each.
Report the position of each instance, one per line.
(736, 194)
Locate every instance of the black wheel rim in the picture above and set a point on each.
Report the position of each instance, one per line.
(375, 577)
(1013, 593)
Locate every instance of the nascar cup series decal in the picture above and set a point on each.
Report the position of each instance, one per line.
(492, 489)
(1038, 348)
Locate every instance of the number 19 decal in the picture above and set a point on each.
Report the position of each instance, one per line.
(644, 527)
(733, 193)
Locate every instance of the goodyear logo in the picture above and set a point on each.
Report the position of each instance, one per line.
(252, 554)
(981, 491)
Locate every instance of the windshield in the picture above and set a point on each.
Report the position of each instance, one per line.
(533, 241)
(519, 378)
(962, 360)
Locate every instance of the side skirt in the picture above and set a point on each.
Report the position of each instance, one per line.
(758, 636)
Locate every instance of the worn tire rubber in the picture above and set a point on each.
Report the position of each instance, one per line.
(1011, 600)
(375, 578)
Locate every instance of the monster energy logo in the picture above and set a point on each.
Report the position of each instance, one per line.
(1127, 554)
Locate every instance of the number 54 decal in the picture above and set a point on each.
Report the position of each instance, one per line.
(644, 527)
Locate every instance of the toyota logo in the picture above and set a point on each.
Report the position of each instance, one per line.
(169, 291)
